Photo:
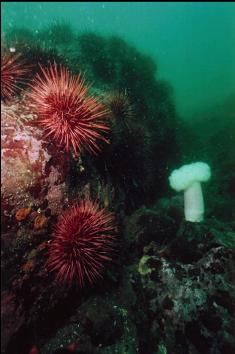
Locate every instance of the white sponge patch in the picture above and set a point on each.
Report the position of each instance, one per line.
(185, 176)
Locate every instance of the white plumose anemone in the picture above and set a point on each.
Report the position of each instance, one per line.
(188, 178)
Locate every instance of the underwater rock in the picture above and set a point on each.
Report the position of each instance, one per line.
(32, 172)
(189, 303)
(144, 226)
(103, 327)
(95, 330)
(172, 207)
(12, 318)
(193, 240)
(181, 274)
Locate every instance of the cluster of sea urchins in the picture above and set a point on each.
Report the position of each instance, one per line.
(82, 243)
(85, 233)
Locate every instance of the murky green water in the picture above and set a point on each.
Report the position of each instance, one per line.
(192, 43)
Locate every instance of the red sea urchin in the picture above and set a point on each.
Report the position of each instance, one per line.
(83, 242)
(13, 71)
(120, 107)
(68, 115)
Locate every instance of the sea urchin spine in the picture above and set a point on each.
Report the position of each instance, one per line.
(68, 115)
(13, 73)
(121, 109)
(83, 242)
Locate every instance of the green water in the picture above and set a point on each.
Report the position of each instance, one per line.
(192, 43)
